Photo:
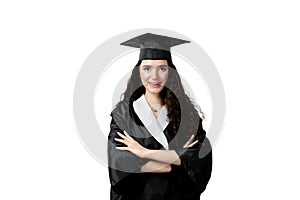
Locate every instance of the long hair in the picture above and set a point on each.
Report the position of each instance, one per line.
(179, 105)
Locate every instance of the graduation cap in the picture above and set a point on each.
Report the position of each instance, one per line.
(154, 47)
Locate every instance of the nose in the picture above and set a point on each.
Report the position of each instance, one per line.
(154, 74)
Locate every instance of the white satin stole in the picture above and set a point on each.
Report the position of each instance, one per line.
(154, 125)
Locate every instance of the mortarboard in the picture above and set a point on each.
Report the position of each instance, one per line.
(154, 47)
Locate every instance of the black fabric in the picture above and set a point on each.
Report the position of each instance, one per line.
(184, 182)
(154, 54)
(153, 46)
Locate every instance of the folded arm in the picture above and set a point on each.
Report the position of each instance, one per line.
(156, 167)
(162, 156)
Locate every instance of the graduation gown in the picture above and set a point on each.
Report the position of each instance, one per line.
(184, 182)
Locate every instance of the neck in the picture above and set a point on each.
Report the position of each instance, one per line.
(153, 99)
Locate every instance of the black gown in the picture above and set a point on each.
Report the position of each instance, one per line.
(184, 182)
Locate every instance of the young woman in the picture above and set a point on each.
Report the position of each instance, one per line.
(157, 148)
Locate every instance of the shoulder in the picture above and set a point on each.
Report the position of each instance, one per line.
(119, 115)
(121, 109)
(124, 112)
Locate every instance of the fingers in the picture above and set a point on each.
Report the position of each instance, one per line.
(128, 136)
(191, 138)
(122, 136)
(126, 139)
(193, 143)
(122, 141)
(189, 141)
(122, 148)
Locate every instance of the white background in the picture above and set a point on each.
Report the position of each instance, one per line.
(254, 45)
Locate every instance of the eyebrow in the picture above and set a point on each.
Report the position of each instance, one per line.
(156, 65)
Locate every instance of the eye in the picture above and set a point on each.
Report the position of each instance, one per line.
(163, 69)
(146, 69)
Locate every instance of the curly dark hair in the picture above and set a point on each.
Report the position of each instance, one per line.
(178, 103)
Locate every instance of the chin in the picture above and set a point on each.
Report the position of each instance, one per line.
(154, 91)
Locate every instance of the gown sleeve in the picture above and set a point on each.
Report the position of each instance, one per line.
(122, 164)
(197, 160)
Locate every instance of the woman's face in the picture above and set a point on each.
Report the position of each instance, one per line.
(154, 75)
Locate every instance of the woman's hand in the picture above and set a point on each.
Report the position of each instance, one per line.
(132, 145)
(189, 144)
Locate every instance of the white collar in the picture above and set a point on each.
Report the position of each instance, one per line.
(153, 125)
